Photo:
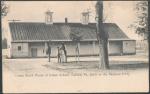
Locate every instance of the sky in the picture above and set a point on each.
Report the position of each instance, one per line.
(120, 12)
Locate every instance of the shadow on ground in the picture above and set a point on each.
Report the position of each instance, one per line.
(129, 66)
(114, 65)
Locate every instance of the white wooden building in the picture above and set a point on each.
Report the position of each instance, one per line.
(28, 39)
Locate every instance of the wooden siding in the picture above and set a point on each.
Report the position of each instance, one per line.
(40, 49)
(86, 48)
(129, 47)
(20, 53)
(115, 48)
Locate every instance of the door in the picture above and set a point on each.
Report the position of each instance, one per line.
(34, 52)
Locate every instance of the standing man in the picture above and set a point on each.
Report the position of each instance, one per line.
(49, 50)
(77, 53)
(58, 55)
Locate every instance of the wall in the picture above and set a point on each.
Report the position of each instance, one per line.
(22, 53)
(86, 48)
(70, 47)
(115, 47)
(41, 50)
(129, 47)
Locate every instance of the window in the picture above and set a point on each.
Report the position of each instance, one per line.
(19, 48)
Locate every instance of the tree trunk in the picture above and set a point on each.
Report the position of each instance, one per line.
(102, 38)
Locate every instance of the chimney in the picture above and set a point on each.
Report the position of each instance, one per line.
(66, 20)
(85, 18)
(48, 17)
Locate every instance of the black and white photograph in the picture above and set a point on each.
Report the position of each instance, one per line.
(75, 46)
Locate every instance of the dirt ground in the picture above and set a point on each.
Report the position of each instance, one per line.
(37, 75)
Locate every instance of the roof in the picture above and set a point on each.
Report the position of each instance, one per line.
(34, 31)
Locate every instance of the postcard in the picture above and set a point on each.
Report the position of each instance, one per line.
(75, 46)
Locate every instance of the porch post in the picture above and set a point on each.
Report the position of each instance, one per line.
(79, 46)
(79, 51)
(108, 47)
(122, 42)
(45, 49)
(93, 47)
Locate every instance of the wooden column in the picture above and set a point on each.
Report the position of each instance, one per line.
(79, 46)
(45, 49)
(79, 51)
(93, 47)
(108, 47)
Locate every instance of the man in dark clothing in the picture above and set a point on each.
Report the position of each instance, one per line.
(58, 55)
(77, 53)
(48, 51)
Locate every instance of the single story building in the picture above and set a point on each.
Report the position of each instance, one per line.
(29, 39)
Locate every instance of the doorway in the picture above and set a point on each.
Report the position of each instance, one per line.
(34, 52)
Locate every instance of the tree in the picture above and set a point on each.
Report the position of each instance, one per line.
(76, 36)
(141, 23)
(102, 37)
(4, 9)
